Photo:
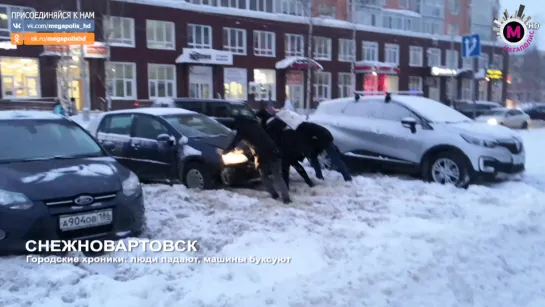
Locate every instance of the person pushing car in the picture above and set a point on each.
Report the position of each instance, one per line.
(267, 155)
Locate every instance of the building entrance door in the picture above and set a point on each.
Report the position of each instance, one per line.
(295, 94)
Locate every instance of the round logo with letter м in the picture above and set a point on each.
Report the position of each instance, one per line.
(516, 31)
(513, 32)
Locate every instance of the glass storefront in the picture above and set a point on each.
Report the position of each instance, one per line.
(235, 82)
(497, 89)
(20, 77)
(483, 90)
(265, 80)
(69, 83)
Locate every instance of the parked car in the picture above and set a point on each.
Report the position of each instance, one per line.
(511, 118)
(58, 183)
(218, 109)
(422, 136)
(173, 144)
(536, 112)
(475, 109)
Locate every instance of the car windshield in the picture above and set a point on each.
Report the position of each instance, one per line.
(241, 109)
(196, 125)
(25, 139)
(495, 113)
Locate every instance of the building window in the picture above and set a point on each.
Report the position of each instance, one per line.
(370, 51)
(434, 57)
(454, 6)
(262, 6)
(467, 89)
(322, 86)
(467, 63)
(199, 36)
(294, 7)
(497, 89)
(347, 50)
(415, 83)
(237, 4)
(346, 84)
(497, 61)
(204, 2)
(234, 40)
(452, 88)
(391, 54)
(20, 77)
(403, 4)
(295, 45)
(326, 10)
(160, 34)
(200, 82)
(483, 61)
(119, 31)
(415, 56)
(322, 48)
(264, 43)
(452, 59)
(483, 90)
(265, 80)
(161, 81)
(235, 81)
(122, 77)
(5, 18)
(453, 29)
(434, 88)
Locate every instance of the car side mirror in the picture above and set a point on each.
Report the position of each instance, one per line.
(109, 146)
(165, 138)
(409, 123)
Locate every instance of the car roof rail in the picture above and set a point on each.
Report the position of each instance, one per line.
(387, 95)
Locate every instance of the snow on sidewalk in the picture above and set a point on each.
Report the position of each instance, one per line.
(378, 241)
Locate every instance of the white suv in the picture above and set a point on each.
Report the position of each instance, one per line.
(420, 135)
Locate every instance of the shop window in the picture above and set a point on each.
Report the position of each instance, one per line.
(160, 34)
(161, 81)
(266, 84)
(322, 86)
(392, 83)
(370, 83)
(235, 81)
(200, 82)
(415, 84)
(20, 77)
(467, 89)
(483, 90)
(122, 77)
(497, 89)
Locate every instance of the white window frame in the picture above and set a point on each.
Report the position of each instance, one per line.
(391, 48)
(326, 9)
(128, 39)
(238, 50)
(261, 6)
(232, 4)
(342, 87)
(434, 57)
(202, 45)
(169, 43)
(37, 78)
(416, 56)
(322, 48)
(260, 48)
(465, 92)
(484, 61)
(497, 61)
(9, 10)
(112, 79)
(293, 7)
(370, 48)
(318, 86)
(156, 81)
(296, 39)
(347, 50)
(452, 58)
(419, 82)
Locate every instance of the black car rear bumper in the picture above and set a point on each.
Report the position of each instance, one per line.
(41, 222)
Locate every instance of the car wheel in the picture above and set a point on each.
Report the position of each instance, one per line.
(524, 125)
(449, 168)
(197, 176)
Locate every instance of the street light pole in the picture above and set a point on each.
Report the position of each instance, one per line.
(83, 71)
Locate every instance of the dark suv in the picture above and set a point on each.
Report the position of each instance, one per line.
(219, 109)
(536, 112)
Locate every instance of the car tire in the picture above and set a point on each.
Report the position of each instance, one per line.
(195, 175)
(452, 163)
(524, 125)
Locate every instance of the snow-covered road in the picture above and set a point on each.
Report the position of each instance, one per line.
(378, 241)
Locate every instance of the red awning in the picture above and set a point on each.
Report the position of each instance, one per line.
(298, 63)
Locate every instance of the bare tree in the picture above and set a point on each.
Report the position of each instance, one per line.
(107, 34)
(64, 75)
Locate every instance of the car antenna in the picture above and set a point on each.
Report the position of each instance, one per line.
(388, 98)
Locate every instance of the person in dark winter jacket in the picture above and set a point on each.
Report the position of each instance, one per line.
(267, 155)
(290, 144)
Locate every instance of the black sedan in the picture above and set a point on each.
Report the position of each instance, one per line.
(173, 144)
(58, 183)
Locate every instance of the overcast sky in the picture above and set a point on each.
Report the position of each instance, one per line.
(535, 9)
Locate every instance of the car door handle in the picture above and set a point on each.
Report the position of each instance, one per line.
(135, 145)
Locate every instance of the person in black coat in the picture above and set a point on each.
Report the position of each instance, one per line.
(267, 155)
(289, 142)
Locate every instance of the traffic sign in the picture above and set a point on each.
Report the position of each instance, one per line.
(471, 46)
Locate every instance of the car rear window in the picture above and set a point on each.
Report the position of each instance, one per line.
(196, 125)
(44, 139)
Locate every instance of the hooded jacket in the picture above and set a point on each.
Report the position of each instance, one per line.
(290, 143)
(318, 137)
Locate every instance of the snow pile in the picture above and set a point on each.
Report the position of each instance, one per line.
(378, 241)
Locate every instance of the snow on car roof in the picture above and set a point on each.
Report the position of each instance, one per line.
(154, 111)
(24, 114)
(430, 109)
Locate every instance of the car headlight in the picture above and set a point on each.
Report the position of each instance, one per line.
(493, 121)
(131, 185)
(234, 157)
(478, 141)
(14, 200)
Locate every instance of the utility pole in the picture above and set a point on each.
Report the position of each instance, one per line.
(353, 43)
(84, 79)
(310, 56)
(452, 87)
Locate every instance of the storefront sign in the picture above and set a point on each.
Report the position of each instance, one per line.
(494, 74)
(7, 46)
(205, 56)
(294, 77)
(443, 72)
(376, 67)
(97, 51)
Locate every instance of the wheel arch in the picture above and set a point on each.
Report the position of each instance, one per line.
(435, 150)
(186, 161)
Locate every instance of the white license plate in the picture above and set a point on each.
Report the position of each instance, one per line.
(85, 220)
(518, 159)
